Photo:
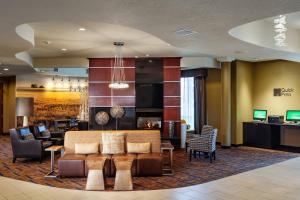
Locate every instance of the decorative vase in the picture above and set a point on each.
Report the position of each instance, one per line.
(171, 129)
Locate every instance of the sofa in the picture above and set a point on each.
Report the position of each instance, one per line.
(71, 164)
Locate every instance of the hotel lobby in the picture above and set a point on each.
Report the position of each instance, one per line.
(127, 99)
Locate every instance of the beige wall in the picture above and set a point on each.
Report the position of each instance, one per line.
(213, 98)
(276, 74)
(252, 87)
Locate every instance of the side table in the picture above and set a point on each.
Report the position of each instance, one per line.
(52, 149)
(168, 147)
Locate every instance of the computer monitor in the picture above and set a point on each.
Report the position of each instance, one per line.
(293, 115)
(24, 131)
(42, 128)
(259, 114)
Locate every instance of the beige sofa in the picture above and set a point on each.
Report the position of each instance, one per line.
(144, 164)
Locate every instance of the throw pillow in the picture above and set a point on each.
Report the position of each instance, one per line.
(138, 147)
(86, 148)
(113, 143)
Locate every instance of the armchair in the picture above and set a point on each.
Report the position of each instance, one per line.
(206, 142)
(40, 132)
(205, 129)
(26, 148)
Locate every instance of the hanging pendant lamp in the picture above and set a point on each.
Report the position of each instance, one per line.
(118, 79)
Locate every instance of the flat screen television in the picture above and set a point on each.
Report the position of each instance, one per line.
(292, 115)
(260, 114)
(149, 95)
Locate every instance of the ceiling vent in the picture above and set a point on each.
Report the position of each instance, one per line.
(183, 32)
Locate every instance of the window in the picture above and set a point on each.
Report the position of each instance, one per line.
(187, 101)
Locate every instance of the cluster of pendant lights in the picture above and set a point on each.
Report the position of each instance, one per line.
(280, 30)
(118, 79)
(68, 83)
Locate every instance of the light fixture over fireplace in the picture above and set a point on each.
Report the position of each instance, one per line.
(118, 79)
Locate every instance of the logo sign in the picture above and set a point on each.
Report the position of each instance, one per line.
(287, 92)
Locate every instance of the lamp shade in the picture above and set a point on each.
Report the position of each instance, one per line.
(24, 106)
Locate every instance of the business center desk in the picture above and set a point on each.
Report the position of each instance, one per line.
(267, 135)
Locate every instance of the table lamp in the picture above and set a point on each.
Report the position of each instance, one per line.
(24, 108)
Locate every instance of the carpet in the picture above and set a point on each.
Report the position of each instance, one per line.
(228, 162)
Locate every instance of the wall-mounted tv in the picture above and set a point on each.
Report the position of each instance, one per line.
(259, 114)
(292, 115)
(149, 95)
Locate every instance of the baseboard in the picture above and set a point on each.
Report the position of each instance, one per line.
(225, 147)
(236, 145)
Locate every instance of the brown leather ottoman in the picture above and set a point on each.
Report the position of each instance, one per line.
(71, 165)
(149, 164)
(124, 156)
(107, 165)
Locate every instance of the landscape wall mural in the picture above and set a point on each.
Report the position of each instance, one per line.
(53, 105)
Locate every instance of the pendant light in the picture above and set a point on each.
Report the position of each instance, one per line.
(118, 79)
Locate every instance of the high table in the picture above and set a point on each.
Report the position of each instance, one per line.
(52, 149)
(167, 146)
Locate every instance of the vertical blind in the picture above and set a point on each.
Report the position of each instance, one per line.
(187, 101)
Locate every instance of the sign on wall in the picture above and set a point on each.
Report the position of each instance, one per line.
(278, 92)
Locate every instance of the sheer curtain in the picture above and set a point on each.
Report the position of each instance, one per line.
(187, 101)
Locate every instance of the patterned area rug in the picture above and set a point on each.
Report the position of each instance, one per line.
(229, 162)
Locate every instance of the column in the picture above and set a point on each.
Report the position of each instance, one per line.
(226, 104)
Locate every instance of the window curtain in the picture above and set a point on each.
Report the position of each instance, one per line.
(200, 103)
(187, 101)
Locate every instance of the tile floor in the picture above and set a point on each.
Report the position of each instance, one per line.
(278, 181)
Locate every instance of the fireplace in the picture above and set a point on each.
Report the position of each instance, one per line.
(149, 123)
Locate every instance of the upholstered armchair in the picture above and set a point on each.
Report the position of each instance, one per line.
(29, 148)
(206, 143)
(189, 136)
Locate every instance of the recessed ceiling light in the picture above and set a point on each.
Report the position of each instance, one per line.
(5, 69)
(169, 44)
(82, 29)
(147, 55)
(1, 73)
(63, 49)
(136, 56)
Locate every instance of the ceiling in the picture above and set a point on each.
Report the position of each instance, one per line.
(261, 33)
(147, 26)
